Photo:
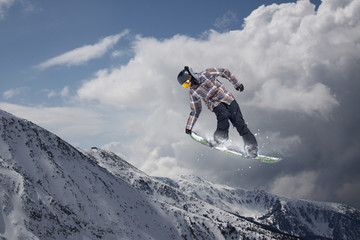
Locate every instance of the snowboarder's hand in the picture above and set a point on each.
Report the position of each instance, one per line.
(240, 88)
(187, 131)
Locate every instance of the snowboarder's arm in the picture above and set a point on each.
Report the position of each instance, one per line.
(225, 73)
(195, 106)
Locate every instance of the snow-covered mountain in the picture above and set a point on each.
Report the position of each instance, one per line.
(310, 220)
(51, 190)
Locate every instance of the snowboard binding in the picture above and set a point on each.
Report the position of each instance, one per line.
(251, 151)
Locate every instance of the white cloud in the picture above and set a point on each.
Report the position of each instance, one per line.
(13, 92)
(316, 98)
(273, 56)
(299, 186)
(4, 6)
(118, 53)
(63, 93)
(10, 93)
(85, 53)
(51, 93)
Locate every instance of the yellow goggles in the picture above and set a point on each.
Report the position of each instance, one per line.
(186, 83)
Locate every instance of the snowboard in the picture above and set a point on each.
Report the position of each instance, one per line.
(233, 151)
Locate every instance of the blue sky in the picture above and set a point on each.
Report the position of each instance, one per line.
(103, 73)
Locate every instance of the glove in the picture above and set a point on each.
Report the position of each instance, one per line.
(240, 88)
(187, 131)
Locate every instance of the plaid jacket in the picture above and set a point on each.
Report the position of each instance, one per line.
(211, 91)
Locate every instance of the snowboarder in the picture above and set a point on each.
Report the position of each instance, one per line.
(205, 85)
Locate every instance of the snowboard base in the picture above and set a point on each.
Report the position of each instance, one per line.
(237, 152)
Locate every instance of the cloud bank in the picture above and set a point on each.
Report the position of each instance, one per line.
(275, 54)
(298, 66)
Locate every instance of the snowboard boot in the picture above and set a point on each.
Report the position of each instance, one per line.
(220, 137)
(250, 145)
(251, 151)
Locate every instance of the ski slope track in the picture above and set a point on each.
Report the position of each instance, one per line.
(52, 190)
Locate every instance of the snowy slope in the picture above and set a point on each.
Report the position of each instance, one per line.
(205, 220)
(51, 190)
(296, 217)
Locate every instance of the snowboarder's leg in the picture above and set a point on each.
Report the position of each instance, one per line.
(222, 115)
(236, 118)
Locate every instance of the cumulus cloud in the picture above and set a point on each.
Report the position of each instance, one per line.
(298, 66)
(83, 54)
(316, 98)
(275, 55)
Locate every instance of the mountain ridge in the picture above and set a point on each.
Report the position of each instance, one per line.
(52, 190)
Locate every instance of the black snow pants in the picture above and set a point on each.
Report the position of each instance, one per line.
(232, 112)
